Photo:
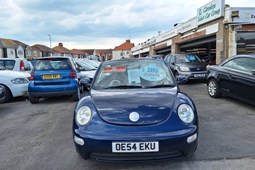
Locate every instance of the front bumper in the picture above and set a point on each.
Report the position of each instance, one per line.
(169, 147)
(199, 75)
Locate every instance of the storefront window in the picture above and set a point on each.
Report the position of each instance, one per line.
(245, 42)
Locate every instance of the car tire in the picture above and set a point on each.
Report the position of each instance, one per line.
(77, 95)
(213, 88)
(33, 100)
(7, 96)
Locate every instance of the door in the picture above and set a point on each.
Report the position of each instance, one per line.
(241, 80)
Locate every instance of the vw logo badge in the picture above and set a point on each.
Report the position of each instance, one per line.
(198, 68)
(134, 116)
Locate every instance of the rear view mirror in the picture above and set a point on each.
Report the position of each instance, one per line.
(85, 82)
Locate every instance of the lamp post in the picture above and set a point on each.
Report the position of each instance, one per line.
(50, 45)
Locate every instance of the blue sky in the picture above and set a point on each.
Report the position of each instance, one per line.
(94, 23)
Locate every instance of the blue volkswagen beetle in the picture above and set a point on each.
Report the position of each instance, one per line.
(134, 112)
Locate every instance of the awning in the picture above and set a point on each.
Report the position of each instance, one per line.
(165, 50)
(199, 42)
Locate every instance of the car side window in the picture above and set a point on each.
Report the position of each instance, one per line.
(167, 58)
(172, 59)
(241, 64)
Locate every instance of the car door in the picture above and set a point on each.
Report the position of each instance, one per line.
(243, 79)
(223, 76)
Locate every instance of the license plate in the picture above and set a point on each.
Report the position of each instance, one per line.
(51, 76)
(123, 147)
(199, 75)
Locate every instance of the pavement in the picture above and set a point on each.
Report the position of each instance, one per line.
(40, 136)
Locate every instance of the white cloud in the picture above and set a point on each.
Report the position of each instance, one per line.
(94, 23)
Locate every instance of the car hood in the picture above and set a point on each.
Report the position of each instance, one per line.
(117, 106)
(89, 74)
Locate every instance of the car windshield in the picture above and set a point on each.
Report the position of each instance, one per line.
(187, 58)
(7, 64)
(133, 74)
(52, 64)
(84, 67)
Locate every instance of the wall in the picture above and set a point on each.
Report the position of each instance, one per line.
(20, 52)
(1, 53)
(11, 53)
(120, 54)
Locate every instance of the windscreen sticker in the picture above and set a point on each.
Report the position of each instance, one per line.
(115, 69)
(152, 73)
(191, 58)
(133, 76)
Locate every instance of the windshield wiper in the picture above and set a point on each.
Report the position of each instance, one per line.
(161, 85)
(123, 87)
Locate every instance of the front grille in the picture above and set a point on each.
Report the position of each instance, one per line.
(134, 156)
(198, 69)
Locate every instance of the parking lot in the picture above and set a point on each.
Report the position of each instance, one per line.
(40, 136)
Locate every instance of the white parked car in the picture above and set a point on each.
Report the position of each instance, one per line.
(15, 64)
(2, 93)
(15, 83)
(85, 70)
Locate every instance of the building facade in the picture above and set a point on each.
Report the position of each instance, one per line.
(218, 30)
(60, 50)
(123, 50)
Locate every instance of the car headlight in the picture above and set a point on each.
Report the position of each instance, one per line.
(19, 81)
(83, 116)
(184, 68)
(185, 113)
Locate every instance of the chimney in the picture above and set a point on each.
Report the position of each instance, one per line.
(128, 41)
(60, 44)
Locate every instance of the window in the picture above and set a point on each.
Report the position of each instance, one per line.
(172, 59)
(245, 42)
(28, 52)
(52, 64)
(7, 64)
(241, 64)
(187, 58)
(137, 73)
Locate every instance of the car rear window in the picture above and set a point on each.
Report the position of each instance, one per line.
(7, 64)
(52, 64)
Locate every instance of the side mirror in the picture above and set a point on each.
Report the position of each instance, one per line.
(253, 72)
(86, 82)
(173, 63)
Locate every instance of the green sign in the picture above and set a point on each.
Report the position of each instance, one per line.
(210, 11)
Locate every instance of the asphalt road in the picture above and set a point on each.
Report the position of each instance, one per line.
(40, 136)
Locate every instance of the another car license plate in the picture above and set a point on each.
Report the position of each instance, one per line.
(199, 75)
(51, 76)
(122, 147)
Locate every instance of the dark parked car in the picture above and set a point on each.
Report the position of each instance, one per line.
(134, 112)
(53, 76)
(234, 77)
(187, 66)
(157, 56)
